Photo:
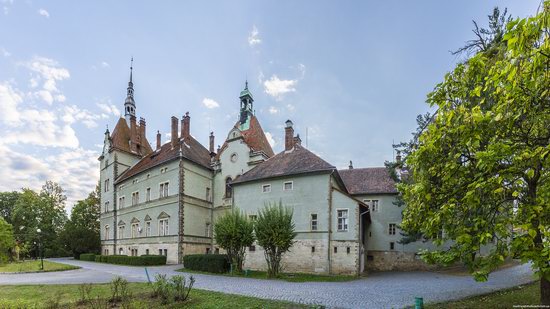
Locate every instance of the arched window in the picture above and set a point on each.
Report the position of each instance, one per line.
(228, 189)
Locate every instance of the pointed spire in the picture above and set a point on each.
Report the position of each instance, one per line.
(246, 84)
(129, 103)
(130, 93)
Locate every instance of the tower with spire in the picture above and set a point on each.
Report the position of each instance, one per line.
(247, 102)
(129, 103)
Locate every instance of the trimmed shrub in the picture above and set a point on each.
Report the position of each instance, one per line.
(212, 263)
(87, 257)
(144, 260)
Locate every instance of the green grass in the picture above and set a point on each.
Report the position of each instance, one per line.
(520, 295)
(290, 277)
(67, 295)
(34, 266)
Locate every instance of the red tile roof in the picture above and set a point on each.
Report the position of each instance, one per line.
(371, 180)
(192, 150)
(121, 139)
(254, 137)
(298, 161)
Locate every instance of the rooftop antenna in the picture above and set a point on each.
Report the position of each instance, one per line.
(306, 136)
(392, 149)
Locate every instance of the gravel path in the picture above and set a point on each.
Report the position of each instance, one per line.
(379, 290)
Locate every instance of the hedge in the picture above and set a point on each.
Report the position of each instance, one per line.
(87, 257)
(213, 263)
(144, 260)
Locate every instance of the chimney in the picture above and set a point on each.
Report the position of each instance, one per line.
(211, 142)
(350, 165)
(158, 140)
(142, 131)
(398, 157)
(289, 135)
(185, 123)
(219, 148)
(297, 140)
(133, 134)
(175, 137)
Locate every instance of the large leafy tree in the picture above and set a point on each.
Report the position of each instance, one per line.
(7, 241)
(81, 232)
(479, 170)
(275, 232)
(234, 232)
(7, 203)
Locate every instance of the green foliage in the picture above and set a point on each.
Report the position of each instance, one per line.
(7, 241)
(84, 293)
(480, 169)
(144, 260)
(180, 288)
(275, 232)
(119, 290)
(7, 204)
(161, 288)
(81, 232)
(212, 263)
(87, 257)
(234, 232)
(176, 288)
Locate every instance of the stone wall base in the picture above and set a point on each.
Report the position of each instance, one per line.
(171, 250)
(395, 260)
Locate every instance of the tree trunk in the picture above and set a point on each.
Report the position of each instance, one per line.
(544, 291)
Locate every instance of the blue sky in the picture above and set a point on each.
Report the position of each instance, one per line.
(354, 73)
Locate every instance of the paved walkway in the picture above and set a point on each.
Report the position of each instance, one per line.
(380, 290)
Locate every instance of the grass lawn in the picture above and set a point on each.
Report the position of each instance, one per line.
(290, 277)
(67, 296)
(33, 266)
(520, 295)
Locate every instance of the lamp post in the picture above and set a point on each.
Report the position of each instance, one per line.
(40, 249)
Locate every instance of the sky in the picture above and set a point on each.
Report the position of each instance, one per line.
(351, 75)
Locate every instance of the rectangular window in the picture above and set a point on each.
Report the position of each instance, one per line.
(148, 228)
(207, 230)
(121, 232)
(374, 206)
(106, 206)
(335, 249)
(135, 230)
(106, 185)
(135, 198)
(391, 228)
(160, 251)
(288, 186)
(165, 252)
(121, 202)
(266, 188)
(163, 227)
(342, 220)
(348, 250)
(314, 222)
(106, 232)
(148, 195)
(208, 194)
(392, 245)
(252, 248)
(207, 250)
(313, 249)
(368, 202)
(163, 190)
(146, 251)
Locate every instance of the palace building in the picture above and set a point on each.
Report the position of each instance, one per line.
(165, 200)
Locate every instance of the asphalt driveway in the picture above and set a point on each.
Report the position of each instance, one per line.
(379, 290)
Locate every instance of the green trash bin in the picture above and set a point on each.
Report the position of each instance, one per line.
(418, 303)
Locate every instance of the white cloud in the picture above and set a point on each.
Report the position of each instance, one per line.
(270, 139)
(105, 65)
(49, 72)
(254, 37)
(273, 110)
(44, 13)
(209, 103)
(9, 100)
(4, 52)
(109, 108)
(290, 107)
(276, 87)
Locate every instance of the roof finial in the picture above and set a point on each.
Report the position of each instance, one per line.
(131, 67)
(246, 83)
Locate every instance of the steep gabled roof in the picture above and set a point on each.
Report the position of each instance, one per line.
(371, 180)
(191, 150)
(121, 139)
(254, 137)
(297, 161)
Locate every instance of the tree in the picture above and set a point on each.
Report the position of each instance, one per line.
(275, 233)
(7, 203)
(480, 169)
(7, 241)
(81, 232)
(234, 232)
